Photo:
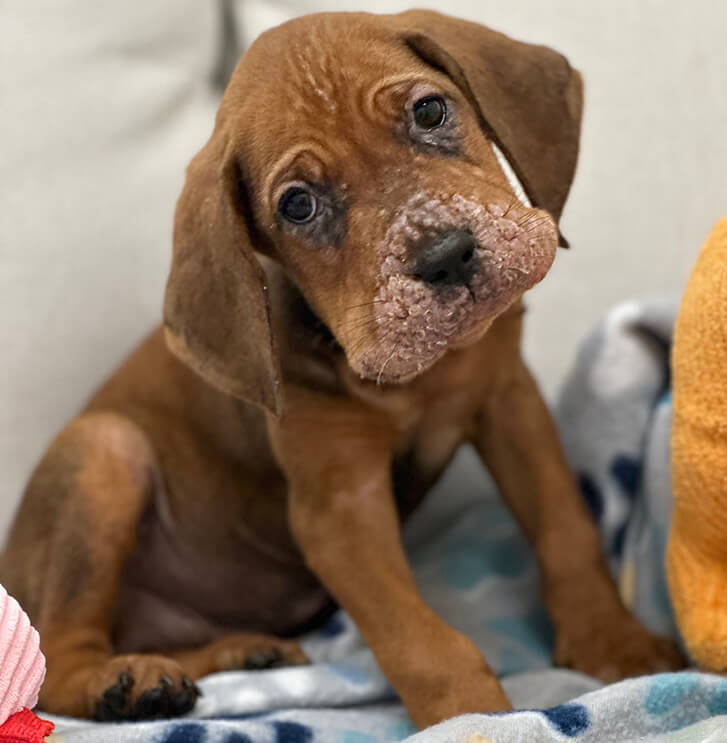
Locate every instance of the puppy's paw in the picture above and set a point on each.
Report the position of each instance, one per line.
(597, 635)
(255, 652)
(439, 681)
(614, 647)
(480, 694)
(140, 687)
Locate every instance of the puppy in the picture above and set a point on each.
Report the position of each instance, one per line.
(343, 311)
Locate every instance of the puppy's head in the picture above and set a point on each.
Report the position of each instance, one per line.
(407, 171)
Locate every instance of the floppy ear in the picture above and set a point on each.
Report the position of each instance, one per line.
(216, 310)
(529, 98)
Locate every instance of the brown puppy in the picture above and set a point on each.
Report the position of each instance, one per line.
(343, 312)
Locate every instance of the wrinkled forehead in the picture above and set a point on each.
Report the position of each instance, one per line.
(314, 77)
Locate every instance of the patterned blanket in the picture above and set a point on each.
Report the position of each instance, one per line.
(476, 570)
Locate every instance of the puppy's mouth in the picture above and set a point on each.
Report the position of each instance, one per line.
(449, 267)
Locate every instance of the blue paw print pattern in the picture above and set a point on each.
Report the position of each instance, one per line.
(568, 719)
(334, 627)
(472, 559)
(291, 732)
(185, 732)
(236, 737)
(717, 703)
(529, 640)
(668, 690)
(627, 472)
(675, 700)
(592, 495)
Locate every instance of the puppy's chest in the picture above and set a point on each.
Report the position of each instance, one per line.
(419, 462)
(430, 429)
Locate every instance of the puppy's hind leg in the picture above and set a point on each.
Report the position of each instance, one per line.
(242, 651)
(66, 551)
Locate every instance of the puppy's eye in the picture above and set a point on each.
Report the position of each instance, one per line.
(430, 112)
(298, 205)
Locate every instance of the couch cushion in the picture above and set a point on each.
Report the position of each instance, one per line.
(103, 104)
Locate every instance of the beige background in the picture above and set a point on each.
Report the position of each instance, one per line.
(103, 103)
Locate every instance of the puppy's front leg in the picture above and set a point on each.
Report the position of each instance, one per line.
(594, 632)
(342, 513)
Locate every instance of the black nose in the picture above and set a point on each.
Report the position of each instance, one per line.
(447, 260)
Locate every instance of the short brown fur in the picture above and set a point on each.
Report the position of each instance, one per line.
(239, 487)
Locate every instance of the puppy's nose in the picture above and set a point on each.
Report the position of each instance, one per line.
(447, 261)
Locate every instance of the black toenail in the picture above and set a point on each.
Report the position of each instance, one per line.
(104, 713)
(114, 702)
(254, 661)
(184, 701)
(274, 655)
(151, 703)
(115, 697)
(189, 686)
(258, 660)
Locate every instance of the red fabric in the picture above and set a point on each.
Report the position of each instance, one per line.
(24, 727)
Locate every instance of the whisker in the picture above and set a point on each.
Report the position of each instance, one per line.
(359, 324)
(534, 227)
(528, 220)
(370, 303)
(533, 224)
(383, 366)
(363, 341)
(513, 203)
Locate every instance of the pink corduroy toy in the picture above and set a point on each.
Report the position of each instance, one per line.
(22, 670)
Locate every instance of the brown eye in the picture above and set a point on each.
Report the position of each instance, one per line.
(430, 112)
(298, 205)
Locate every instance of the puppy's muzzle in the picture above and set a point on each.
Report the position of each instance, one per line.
(448, 260)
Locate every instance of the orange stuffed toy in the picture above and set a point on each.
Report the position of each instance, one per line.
(697, 550)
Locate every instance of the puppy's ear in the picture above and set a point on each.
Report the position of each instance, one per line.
(529, 98)
(216, 309)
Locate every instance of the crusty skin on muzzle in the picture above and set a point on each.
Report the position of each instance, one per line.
(343, 311)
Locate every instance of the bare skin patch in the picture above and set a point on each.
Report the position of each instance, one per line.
(416, 322)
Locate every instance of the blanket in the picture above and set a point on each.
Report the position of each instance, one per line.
(476, 570)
